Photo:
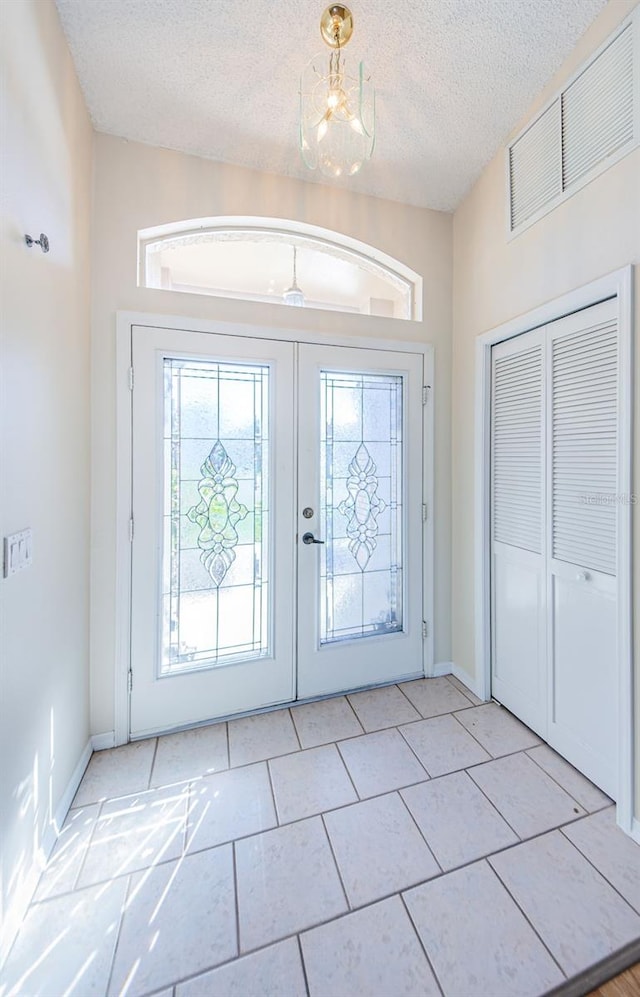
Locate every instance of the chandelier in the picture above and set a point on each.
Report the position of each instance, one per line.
(337, 108)
(293, 295)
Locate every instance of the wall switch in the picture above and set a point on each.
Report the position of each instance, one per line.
(17, 552)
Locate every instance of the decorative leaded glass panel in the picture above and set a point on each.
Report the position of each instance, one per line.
(361, 505)
(216, 514)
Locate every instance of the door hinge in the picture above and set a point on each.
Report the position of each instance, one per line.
(130, 680)
(425, 628)
(426, 388)
(425, 512)
(130, 378)
(131, 530)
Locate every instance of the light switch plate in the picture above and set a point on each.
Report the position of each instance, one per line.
(17, 552)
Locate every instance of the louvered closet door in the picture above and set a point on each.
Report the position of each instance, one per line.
(581, 545)
(518, 529)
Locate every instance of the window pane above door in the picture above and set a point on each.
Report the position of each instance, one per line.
(216, 549)
(361, 582)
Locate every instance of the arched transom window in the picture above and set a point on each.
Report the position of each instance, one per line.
(261, 259)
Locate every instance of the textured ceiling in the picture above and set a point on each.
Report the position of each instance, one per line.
(219, 78)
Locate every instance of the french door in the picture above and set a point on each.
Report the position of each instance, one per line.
(277, 544)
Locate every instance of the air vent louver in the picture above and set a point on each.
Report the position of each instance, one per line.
(588, 126)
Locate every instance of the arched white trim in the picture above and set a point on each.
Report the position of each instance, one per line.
(343, 246)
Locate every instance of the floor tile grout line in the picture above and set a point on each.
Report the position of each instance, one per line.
(495, 872)
(486, 761)
(117, 939)
(529, 837)
(358, 720)
(211, 967)
(236, 897)
(595, 867)
(420, 941)
(415, 753)
(273, 793)
(430, 716)
(557, 782)
(295, 729)
(495, 806)
(349, 776)
(303, 964)
(186, 838)
(83, 860)
(403, 693)
(492, 757)
(420, 832)
(228, 743)
(449, 678)
(153, 762)
(440, 775)
(337, 865)
(383, 792)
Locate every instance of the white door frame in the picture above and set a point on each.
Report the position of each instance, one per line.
(124, 454)
(619, 285)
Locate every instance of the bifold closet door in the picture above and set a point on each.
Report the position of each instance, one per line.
(554, 590)
(518, 528)
(582, 584)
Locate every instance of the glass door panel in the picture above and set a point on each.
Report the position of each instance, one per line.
(361, 487)
(216, 543)
(360, 499)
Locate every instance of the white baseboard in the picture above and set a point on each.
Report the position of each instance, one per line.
(472, 684)
(635, 830)
(67, 797)
(100, 742)
(442, 668)
(20, 903)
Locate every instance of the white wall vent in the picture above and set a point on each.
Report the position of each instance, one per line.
(584, 129)
(534, 166)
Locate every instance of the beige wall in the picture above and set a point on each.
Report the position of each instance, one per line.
(594, 232)
(44, 413)
(136, 187)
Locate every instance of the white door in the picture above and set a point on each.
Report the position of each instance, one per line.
(213, 556)
(360, 495)
(582, 584)
(518, 564)
(554, 548)
(229, 433)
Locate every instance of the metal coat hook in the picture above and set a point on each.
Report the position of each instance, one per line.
(43, 242)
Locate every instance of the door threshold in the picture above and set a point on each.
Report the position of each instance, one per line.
(284, 704)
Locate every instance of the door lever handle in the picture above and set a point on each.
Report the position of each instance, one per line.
(308, 538)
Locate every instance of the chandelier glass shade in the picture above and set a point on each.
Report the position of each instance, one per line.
(337, 105)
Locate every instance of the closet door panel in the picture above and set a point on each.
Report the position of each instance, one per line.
(582, 471)
(517, 527)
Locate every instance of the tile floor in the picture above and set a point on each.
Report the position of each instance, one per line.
(400, 841)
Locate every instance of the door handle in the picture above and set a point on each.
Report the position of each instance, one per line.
(583, 576)
(308, 538)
